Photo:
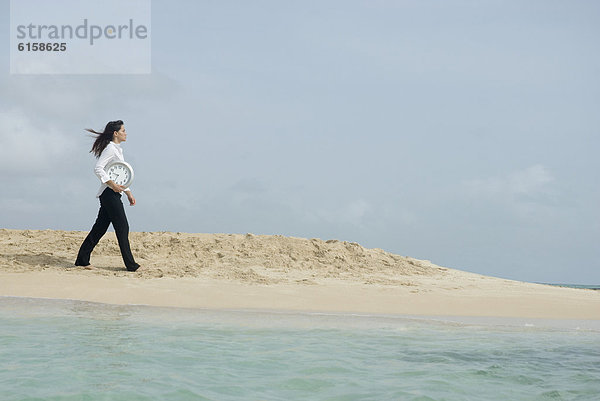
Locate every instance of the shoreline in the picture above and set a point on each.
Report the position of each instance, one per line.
(524, 300)
(262, 318)
(237, 271)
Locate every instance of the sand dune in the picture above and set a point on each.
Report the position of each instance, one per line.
(268, 271)
(265, 259)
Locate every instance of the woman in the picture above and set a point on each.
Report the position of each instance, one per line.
(107, 149)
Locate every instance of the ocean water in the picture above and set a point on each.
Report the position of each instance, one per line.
(581, 286)
(71, 350)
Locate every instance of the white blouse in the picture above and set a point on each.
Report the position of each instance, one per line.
(112, 152)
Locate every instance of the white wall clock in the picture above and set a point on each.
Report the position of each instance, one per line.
(121, 173)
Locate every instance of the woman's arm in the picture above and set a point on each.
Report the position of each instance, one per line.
(130, 197)
(116, 187)
(106, 156)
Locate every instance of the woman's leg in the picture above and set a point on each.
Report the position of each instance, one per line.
(117, 216)
(92, 239)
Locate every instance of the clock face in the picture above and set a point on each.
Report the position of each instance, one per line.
(120, 174)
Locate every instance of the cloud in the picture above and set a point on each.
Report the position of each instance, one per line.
(30, 150)
(531, 181)
(527, 193)
(354, 213)
(41, 123)
(59, 99)
(248, 185)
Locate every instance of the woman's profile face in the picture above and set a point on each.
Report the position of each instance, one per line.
(121, 135)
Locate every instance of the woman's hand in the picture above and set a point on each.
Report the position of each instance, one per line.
(115, 187)
(131, 198)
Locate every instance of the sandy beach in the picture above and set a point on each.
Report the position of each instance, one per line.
(247, 271)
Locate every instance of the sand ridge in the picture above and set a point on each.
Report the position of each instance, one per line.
(265, 259)
(269, 272)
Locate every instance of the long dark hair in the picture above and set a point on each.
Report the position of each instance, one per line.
(103, 138)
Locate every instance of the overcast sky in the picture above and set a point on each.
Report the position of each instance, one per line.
(461, 132)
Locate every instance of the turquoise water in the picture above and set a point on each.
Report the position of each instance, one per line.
(583, 286)
(70, 350)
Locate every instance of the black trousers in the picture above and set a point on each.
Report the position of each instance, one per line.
(111, 211)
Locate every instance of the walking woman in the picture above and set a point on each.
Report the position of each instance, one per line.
(107, 149)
